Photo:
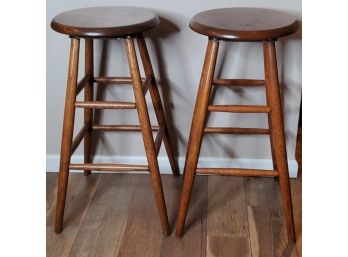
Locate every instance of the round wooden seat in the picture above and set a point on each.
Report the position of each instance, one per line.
(244, 24)
(105, 22)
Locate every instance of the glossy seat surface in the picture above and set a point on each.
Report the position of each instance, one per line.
(244, 24)
(107, 21)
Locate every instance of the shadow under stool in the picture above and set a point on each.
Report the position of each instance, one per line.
(246, 25)
(128, 24)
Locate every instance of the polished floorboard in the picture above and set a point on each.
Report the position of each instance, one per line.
(110, 215)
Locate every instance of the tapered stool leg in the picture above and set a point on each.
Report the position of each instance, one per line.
(146, 130)
(196, 133)
(157, 103)
(88, 96)
(277, 133)
(67, 134)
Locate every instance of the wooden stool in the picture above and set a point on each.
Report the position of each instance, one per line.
(125, 23)
(240, 24)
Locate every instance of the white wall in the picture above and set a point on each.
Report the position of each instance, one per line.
(177, 54)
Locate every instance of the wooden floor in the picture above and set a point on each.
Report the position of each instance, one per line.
(115, 215)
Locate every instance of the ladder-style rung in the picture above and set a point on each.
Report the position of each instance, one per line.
(238, 82)
(109, 167)
(83, 82)
(115, 80)
(105, 105)
(239, 108)
(243, 131)
(237, 172)
(120, 128)
(77, 140)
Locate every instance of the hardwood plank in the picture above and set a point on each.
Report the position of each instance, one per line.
(101, 229)
(142, 234)
(51, 188)
(261, 192)
(81, 190)
(268, 236)
(218, 246)
(59, 245)
(193, 242)
(227, 215)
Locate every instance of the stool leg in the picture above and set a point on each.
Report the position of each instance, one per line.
(196, 133)
(272, 145)
(67, 134)
(88, 96)
(157, 103)
(277, 133)
(146, 130)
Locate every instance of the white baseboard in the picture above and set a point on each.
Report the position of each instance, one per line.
(52, 162)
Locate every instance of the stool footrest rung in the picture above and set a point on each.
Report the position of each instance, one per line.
(115, 80)
(109, 167)
(83, 82)
(125, 128)
(243, 131)
(105, 105)
(238, 82)
(77, 140)
(239, 108)
(237, 172)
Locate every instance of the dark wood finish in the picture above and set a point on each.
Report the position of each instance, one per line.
(115, 80)
(126, 128)
(105, 105)
(239, 108)
(240, 24)
(238, 82)
(140, 87)
(88, 96)
(77, 140)
(109, 167)
(105, 22)
(145, 126)
(243, 131)
(67, 134)
(244, 24)
(236, 172)
(277, 133)
(157, 103)
(196, 133)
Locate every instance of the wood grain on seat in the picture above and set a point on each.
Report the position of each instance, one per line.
(244, 24)
(105, 22)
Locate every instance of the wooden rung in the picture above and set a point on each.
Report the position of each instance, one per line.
(238, 82)
(105, 105)
(114, 80)
(245, 131)
(120, 128)
(109, 167)
(239, 108)
(237, 172)
(158, 141)
(77, 140)
(83, 82)
(147, 85)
